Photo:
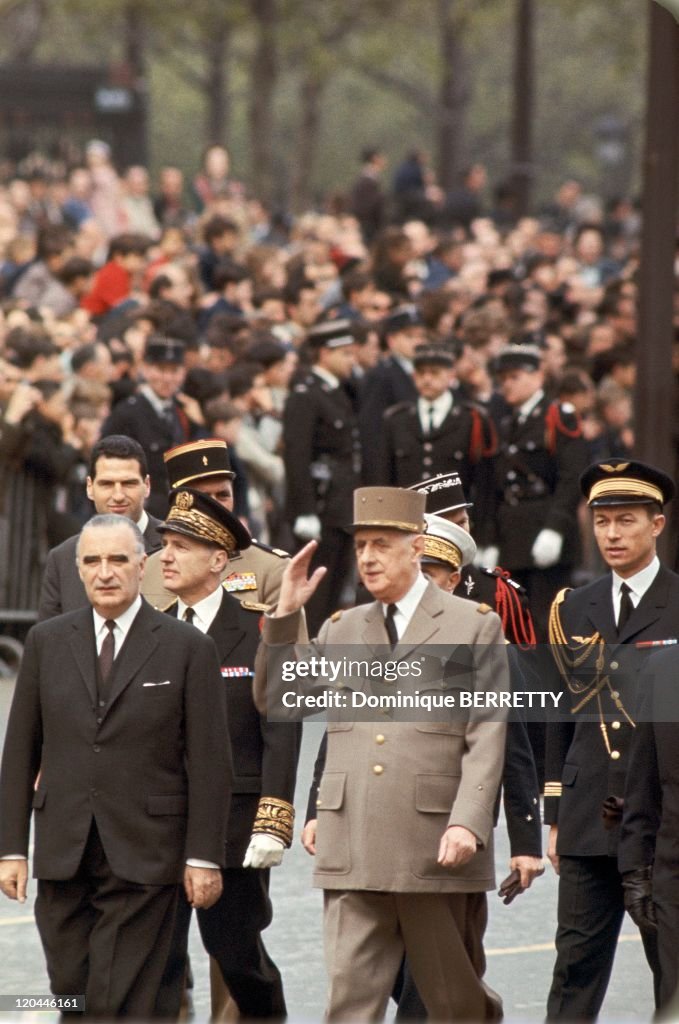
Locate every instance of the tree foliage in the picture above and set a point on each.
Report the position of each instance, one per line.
(296, 88)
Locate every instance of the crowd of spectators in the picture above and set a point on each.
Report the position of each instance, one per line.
(94, 262)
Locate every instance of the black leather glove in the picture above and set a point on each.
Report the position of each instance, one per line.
(611, 811)
(638, 899)
(511, 887)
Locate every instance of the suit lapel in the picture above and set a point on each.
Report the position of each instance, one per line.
(140, 643)
(224, 629)
(84, 650)
(374, 631)
(649, 609)
(601, 610)
(422, 625)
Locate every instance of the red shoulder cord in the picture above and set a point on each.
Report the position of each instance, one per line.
(513, 614)
(477, 450)
(554, 424)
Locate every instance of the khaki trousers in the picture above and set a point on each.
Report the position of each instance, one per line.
(367, 933)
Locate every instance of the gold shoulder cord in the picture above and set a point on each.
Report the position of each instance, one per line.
(569, 658)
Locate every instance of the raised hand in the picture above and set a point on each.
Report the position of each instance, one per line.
(296, 584)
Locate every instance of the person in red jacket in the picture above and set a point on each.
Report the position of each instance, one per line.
(113, 283)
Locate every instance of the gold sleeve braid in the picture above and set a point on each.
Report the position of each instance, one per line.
(275, 818)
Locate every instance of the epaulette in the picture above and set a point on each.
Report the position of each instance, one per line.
(255, 606)
(336, 616)
(399, 407)
(501, 574)
(483, 608)
(168, 606)
(272, 551)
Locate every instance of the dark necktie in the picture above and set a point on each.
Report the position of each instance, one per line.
(430, 424)
(390, 625)
(106, 658)
(189, 614)
(626, 607)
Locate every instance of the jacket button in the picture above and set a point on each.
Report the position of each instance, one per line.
(615, 754)
(529, 817)
(615, 725)
(378, 769)
(614, 665)
(99, 721)
(379, 738)
(96, 748)
(318, 803)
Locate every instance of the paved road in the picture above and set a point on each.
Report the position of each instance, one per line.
(518, 941)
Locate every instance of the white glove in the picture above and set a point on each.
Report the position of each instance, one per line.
(307, 528)
(546, 550)
(263, 852)
(487, 556)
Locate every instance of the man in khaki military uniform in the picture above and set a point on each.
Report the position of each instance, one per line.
(251, 575)
(404, 846)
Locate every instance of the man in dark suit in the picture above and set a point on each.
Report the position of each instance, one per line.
(390, 382)
(323, 460)
(599, 635)
(118, 484)
(117, 739)
(198, 537)
(159, 415)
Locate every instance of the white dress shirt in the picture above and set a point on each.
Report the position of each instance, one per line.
(526, 409)
(120, 630)
(638, 585)
(405, 607)
(440, 408)
(329, 378)
(204, 611)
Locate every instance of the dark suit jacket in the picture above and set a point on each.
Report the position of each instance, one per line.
(62, 589)
(384, 386)
(576, 756)
(152, 767)
(651, 816)
(264, 753)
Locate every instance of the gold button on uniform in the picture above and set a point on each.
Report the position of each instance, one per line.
(379, 738)
(615, 725)
(614, 665)
(378, 769)
(615, 754)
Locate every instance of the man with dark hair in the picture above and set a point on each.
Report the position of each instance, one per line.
(221, 238)
(367, 197)
(117, 743)
(322, 453)
(160, 414)
(233, 284)
(118, 484)
(600, 635)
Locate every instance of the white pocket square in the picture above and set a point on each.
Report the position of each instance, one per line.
(166, 682)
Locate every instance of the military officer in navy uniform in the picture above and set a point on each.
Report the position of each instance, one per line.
(541, 455)
(159, 415)
(199, 536)
(601, 635)
(438, 433)
(390, 382)
(323, 461)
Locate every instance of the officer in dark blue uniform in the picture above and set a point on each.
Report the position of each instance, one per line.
(601, 635)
